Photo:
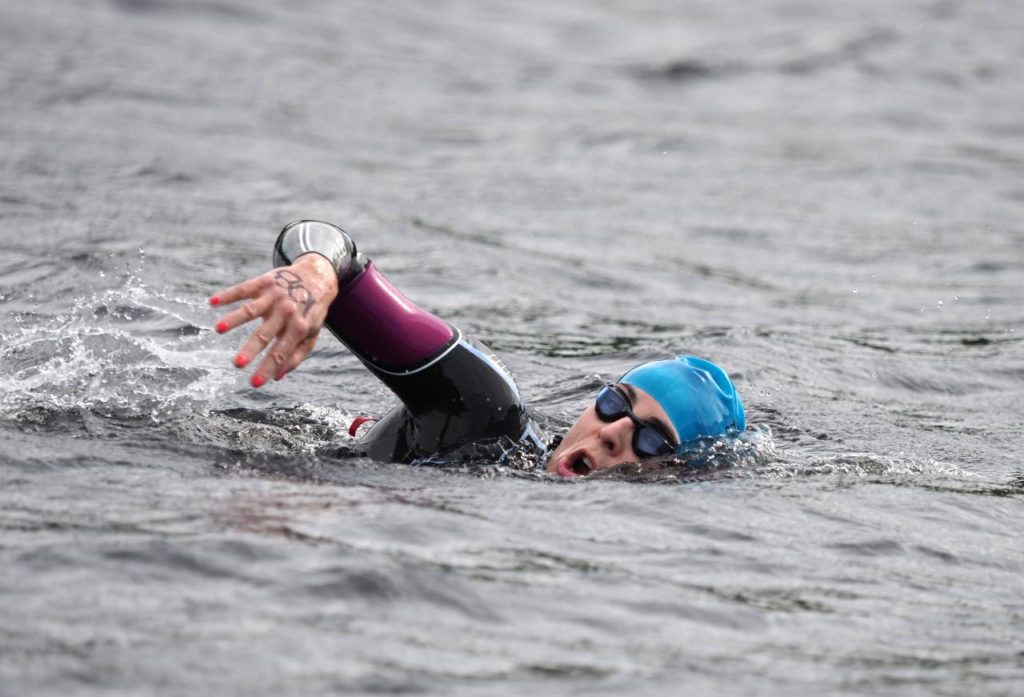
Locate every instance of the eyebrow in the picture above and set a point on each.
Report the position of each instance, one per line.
(662, 426)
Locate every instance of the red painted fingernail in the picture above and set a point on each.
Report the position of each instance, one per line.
(257, 381)
(241, 361)
(222, 327)
(215, 300)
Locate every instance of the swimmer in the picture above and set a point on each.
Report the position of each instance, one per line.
(453, 390)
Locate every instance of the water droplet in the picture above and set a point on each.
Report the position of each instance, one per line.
(856, 290)
(939, 305)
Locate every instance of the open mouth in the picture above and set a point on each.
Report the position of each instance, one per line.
(577, 464)
(581, 466)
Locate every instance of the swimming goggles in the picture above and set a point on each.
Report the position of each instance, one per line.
(648, 440)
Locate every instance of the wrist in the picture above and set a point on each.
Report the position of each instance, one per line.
(322, 270)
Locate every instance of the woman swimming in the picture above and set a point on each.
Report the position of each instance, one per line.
(453, 390)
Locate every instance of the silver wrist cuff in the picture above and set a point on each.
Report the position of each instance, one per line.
(305, 236)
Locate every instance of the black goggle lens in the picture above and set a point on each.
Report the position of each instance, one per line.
(611, 405)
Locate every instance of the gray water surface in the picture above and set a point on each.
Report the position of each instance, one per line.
(824, 198)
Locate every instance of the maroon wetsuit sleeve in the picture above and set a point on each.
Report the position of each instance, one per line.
(370, 316)
(383, 327)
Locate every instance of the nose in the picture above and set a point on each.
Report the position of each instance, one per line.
(616, 436)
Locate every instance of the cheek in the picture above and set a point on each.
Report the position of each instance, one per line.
(587, 424)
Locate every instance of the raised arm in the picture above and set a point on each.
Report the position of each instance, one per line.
(454, 391)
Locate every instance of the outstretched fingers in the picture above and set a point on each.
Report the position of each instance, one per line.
(292, 303)
(301, 351)
(283, 350)
(269, 330)
(246, 313)
(246, 289)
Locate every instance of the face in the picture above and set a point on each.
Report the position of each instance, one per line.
(592, 445)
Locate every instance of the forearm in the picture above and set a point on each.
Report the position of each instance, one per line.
(369, 315)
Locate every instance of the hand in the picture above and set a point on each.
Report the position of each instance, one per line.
(293, 302)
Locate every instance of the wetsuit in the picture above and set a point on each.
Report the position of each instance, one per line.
(454, 391)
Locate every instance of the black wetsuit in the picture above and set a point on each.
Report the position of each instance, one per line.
(454, 390)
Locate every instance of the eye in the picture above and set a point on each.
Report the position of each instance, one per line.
(650, 442)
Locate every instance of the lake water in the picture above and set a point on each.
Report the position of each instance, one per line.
(826, 199)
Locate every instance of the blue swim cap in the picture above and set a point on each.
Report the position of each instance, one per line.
(697, 395)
